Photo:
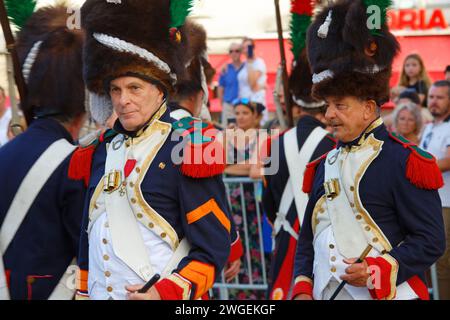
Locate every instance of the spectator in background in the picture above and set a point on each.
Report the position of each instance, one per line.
(410, 95)
(253, 77)
(241, 155)
(436, 140)
(5, 118)
(408, 121)
(414, 76)
(447, 73)
(228, 83)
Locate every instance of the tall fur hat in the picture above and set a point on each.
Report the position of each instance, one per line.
(300, 79)
(51, 58)
(351, 50)
(199, 71)
(141, 38)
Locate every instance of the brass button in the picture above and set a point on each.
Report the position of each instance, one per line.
(131, 184)
(333, 259)
(95, 206)
(163, 235)
(331, 246)
(358, 217)
(138, 170)
(110, 289)
(151, 225)
(133, 200)
(383, 252)
(352, 188)
(106, 257)
(321, 210)
(107, 274)
(105, 241)
(367, 228)
(139, 215)
(375, 239)
(352, 204)
(333, 269)
(162, 165)
(127, 143)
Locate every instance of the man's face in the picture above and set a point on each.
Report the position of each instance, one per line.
(134, 101)
(439, 101)
(348, 117)
(235, 53)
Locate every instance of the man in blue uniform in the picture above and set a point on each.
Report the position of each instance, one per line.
(191, 94)
(147, 213)
(283, 200)
(40, 208)
(374, 197)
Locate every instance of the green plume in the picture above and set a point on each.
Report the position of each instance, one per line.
(19, 11)
(179, 10)
(299, 27)
(382, 4)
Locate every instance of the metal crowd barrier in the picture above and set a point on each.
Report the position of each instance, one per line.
(222, 287)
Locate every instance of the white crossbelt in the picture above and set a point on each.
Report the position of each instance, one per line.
(127, 241)
(296, 162)
(30, 187)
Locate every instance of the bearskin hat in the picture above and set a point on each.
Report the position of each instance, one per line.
(199, 71)
(51, 58)
(141, 38)
(350, 51)
(300, 79)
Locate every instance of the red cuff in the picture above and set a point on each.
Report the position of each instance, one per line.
(383, 271)
(173, 287)
(237, 250)
(303, 285)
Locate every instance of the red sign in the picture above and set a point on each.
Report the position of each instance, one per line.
(417, 19)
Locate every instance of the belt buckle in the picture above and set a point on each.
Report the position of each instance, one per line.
(332, 188)
(112, 181)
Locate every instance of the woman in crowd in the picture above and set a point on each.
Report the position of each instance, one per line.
(408, 121)
(242, 150)
(415, 76)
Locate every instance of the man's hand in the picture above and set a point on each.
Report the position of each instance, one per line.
(232, 270)
(303, 297)
(133, 294)
(356, 274)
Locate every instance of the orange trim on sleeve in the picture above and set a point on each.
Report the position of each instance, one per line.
(205, 209)
(82, 280)
(201, 274)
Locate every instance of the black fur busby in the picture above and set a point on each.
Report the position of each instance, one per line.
(51, 58)
(142, 38)
(300, 79)
(348, 55)
(300, 83)
(199, 71)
